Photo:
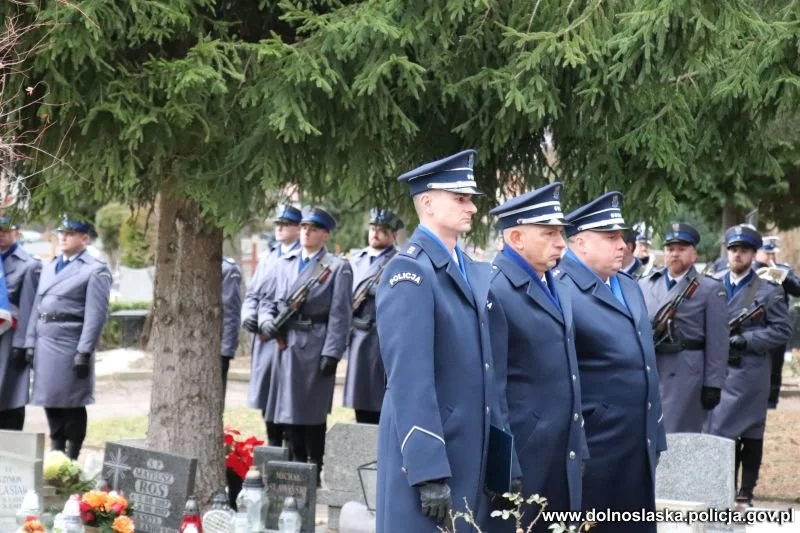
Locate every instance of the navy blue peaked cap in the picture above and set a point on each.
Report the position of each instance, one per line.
(384, 217)
(682, 232)
(288, 214)
(453, 173)
(771, 244)
(541, 207)
(319, 217)
(743, 235)
(71, 224)
(6, 223)
(601, 214)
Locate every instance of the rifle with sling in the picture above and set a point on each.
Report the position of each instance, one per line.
(735, 327)
(295, 303)
(662, 322)
(362, 294)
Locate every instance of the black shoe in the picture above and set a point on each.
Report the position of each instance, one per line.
(744, 498)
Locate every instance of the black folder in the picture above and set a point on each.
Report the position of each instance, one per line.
(498, 460)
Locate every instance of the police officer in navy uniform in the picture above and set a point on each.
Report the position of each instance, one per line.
(619, 379)
(692, 354)
(365, 382)
(742, 413)
(231, 312)
(533, 341)
(316, 338)
(767, 256)
(441, 395)
(69, 313)
(631, 265)
(263, 354)
(21, 272)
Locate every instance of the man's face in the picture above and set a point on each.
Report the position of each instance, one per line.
(740, 258)
(679, 256)
(602, 251)
(771, 257)
(629, 248)
(380, 237)
(540, 246)
(642, 250)
(286, 233)
(72, 242)
(7, 238)
(313, 237)
(452, 211)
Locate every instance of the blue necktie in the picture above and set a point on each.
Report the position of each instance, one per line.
(372, 259)
(670, 283)
(61, 264)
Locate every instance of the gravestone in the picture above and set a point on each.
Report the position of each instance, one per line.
(264, 454)
(699, 468)
(299, 480)
(21, 457)
(348, 448)
(157, 484)
(684, 507)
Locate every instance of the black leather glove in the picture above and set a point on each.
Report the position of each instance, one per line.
(29, 356)
(80, 365)
(19, 358)
(434, 497)
(250, 324)
(327, 365)
(737, 342)
(710, 397)
(269, 330)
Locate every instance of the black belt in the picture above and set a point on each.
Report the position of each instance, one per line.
(364, 324)
(60, 317)
(676, 347)
(306, 323)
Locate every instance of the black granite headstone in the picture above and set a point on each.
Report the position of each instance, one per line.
(292, 479)
(264, 454)
(156, 484)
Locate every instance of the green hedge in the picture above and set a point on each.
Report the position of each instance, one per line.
(110, 338)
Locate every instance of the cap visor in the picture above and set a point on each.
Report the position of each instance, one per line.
(465, 190)
(675, 241)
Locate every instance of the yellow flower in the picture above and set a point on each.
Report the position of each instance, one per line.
(52, 462)
(122, 524)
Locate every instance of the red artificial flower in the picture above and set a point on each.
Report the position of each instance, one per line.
(118, 508)
(87, 517)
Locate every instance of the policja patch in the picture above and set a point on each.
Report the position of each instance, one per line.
(405, 276)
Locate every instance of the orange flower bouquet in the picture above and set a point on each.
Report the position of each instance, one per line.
(32, 525)
(107, 511)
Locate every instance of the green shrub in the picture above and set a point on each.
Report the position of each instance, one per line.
(110, 338)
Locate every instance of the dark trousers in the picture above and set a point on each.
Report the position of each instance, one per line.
(368, 417)
(749, 453)
(776, 377)
(13, 419)
(226, 364)
(307, 444)
(67, 429)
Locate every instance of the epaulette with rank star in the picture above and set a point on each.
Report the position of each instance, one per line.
(411, 250)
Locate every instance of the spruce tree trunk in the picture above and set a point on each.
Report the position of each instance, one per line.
(186, 401)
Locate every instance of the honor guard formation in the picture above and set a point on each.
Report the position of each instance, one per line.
(556, 369)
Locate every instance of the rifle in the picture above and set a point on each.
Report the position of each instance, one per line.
(662, 322)
(362, 294)
(735, 325)
(295, 302)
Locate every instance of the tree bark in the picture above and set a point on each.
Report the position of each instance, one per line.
(186, 401)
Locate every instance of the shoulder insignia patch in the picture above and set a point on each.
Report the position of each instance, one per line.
(405, 276)
(411, 250)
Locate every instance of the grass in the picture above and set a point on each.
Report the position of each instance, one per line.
(246, 420)
(778, 480)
